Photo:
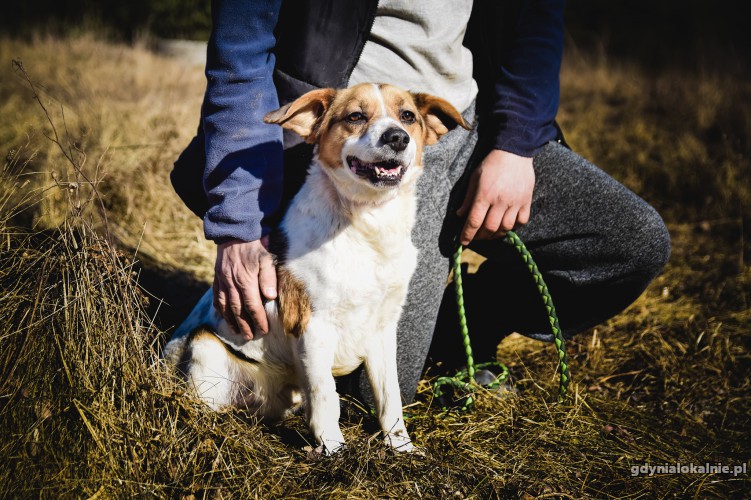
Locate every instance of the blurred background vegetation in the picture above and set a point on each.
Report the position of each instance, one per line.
(121, 20)
(655, 33)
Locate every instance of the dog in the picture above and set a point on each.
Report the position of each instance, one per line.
(344, 272)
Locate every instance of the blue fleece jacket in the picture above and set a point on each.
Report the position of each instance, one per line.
(243, 174)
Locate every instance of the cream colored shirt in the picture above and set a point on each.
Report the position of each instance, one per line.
(417, 45)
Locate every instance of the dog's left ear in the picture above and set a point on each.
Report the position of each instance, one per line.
(439, 115)
(303, 115)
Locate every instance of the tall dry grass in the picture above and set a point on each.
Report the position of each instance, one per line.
(87, 410)
(131, 111)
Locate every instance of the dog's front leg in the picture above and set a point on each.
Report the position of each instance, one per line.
(385, 383)
(316, 354)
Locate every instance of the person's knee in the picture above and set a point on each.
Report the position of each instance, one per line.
(648, 248)
(638, 248)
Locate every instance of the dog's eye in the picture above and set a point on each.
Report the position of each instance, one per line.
(407, 117)
(355, 117)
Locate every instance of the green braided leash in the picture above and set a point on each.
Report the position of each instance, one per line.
(464, 380)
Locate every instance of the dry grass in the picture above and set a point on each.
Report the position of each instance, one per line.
(86, 409)
(132, 112)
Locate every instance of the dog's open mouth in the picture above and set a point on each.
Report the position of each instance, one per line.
(387, 172)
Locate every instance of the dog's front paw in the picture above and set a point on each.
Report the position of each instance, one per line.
(328, 447)
(329, 442)
(399, 441)
(323, 450)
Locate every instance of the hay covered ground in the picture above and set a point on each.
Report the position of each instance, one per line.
(99, 259)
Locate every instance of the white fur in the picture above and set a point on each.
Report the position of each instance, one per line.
(349, 243)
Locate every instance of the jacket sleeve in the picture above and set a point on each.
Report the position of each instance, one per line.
(243, 173)
(527, 89)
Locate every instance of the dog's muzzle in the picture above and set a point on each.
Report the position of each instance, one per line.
(381, 173)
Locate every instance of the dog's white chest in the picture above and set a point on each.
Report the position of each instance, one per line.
(356, 273)
(355, 300)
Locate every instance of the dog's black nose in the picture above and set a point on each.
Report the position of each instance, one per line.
(396, 138)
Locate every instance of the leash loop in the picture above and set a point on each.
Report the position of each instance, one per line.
(464, 380)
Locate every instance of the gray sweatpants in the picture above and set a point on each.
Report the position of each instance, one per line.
(597, 244)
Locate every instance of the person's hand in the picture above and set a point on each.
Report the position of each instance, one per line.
(499, 196)
(244, 271)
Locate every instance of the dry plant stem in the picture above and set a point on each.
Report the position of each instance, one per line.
(77, 164)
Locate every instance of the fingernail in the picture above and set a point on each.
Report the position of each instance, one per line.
(269, 291)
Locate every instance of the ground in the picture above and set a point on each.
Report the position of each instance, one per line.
(100, 259)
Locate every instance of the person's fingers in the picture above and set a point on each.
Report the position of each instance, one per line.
(267, 276)
(220, 297)
(482, 234)
(509, 220)
(230, 319)
(474, 221)
(222, 305)
(236, 309)
(469, 198)
(221, 300)
(248, 285)
(253, 306)
(251, 311)
(243, 272)
(524, 214)
(491, 224)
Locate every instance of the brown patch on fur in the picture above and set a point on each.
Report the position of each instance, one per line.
(187, 353)
(303, 115)
(294, 304)
(335, 129)
(204, 332)
(439, 115)
(397, 100)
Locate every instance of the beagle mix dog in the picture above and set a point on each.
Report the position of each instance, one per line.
(343, 278)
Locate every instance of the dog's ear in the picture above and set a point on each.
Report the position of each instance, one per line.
(303, 115)
(439, 115)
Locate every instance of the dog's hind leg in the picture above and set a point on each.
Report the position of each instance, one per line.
(209, 370)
